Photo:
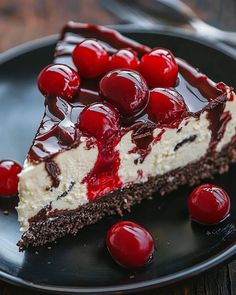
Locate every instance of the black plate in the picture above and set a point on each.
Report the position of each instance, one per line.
(81, 264)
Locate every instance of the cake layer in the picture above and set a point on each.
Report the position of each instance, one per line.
(49, 225)
(168, 149)
(67, 170)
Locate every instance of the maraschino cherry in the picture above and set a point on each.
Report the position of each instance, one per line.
(100, 120)
(130, 244)
(9, 171)
(124, 58)
(159, 68)
(59, 80)
(90, 58)
(165, 106)
(208, 204)
(126, 90)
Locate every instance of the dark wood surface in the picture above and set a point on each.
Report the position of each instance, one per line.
(24, 20)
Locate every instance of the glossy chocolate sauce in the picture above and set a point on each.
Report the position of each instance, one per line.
(58, 131)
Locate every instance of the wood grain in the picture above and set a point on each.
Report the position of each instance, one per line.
(24, 20)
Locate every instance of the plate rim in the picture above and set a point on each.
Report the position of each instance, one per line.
(181, 33)
(162, 281)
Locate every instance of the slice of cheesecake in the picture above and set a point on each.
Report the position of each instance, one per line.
(121, 121)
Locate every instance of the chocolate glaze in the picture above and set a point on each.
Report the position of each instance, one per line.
(58, 130)
(142, 137)
(186, 140)
(54, 172)
(65, 193)
(73, 33)
(218, 122)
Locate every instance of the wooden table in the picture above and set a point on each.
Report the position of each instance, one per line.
(24, 20)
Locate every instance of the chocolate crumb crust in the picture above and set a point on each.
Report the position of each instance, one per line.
(45, 228)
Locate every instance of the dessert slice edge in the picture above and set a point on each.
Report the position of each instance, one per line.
(54, 196)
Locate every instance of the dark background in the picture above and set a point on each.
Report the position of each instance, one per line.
(25, 20)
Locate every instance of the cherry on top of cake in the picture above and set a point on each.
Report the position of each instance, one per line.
(102, 82)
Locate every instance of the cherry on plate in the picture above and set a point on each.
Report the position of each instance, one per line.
(208, 204)
(9, 171)
(165, 106)
(59, 80)
(124, 58)
(126, 90)
(90, 58)
(129, 244)
(159, 68)
(100, 120)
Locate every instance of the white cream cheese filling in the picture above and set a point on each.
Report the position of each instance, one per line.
(76, 163)
(162, 157)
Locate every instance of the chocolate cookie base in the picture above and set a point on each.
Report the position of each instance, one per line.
(45, 228)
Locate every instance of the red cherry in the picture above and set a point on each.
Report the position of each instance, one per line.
(129, 244)
(9, 171)
(58, 80)
(208, 204)
(100, 120)
(124, 58)
(159, 68)
(125, 89)
(90, 58)
(165, 106)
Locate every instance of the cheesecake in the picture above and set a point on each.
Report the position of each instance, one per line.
(121, 122)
